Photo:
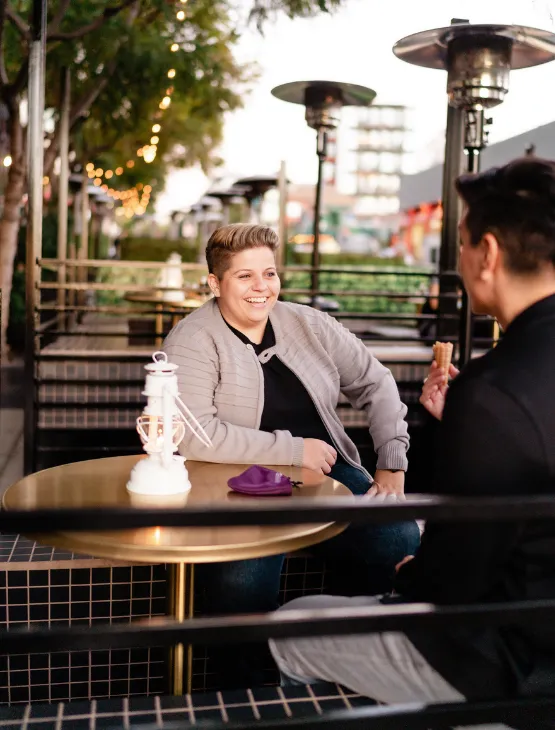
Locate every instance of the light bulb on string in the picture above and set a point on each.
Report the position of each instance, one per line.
(140, 152)
(89, 167)
(180, 15)
(156, 128)
(171, 73)
(99, 172)
(154, 140)
(119, 170)
(91, 174)
(108, 174)
(150, 154)
(130, 163)
(174, 47)
(166, 101)
(97, 182)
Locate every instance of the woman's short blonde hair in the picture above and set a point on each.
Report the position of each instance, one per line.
(226, 241)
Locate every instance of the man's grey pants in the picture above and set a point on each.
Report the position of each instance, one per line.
(386, 667)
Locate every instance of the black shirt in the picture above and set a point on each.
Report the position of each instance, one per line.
(497, 438)
(287, 404)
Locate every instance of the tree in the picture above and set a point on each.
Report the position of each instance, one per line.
(120, 53)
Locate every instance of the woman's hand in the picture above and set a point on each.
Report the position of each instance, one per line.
(435, 389)
(388, 483)
(318, 456)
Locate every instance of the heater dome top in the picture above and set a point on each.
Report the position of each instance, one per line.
(530, 46)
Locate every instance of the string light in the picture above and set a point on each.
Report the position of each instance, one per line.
(7, 160)
(131, 203)
(45, 180)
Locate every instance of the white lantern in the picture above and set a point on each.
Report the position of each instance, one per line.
(161, 428)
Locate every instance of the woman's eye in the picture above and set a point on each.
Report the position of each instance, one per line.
(271, 273)
(244, 276)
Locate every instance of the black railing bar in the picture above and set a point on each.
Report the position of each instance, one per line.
(400, 717)
(130, 450)
(276, 511)
(358, 270)
(117, 263)
(104, 309)
(112, 405)
(95, 355)
(161, 631)
(365, 293)
(93, 383)
(101, 333)
(103, 286)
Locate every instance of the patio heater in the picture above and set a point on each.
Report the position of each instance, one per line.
(323, 101)
(227, 198)
(254, 189)
(478, 60)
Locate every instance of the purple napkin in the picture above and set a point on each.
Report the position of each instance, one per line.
(258, 481)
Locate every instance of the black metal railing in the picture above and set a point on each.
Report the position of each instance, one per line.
(528, 712)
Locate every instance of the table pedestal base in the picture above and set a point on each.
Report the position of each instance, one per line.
(181, 604)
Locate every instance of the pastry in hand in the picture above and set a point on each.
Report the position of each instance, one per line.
(443, 352)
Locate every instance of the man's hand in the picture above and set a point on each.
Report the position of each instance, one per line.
(435, 390)
(388, 483)
(403, 561)
(318, 456)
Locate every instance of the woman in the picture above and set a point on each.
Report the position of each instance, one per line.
(263, 377)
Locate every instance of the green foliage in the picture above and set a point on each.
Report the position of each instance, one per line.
(157, 249)
(369, 274)
(264, 10)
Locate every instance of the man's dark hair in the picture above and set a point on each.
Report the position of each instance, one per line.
(516, 203)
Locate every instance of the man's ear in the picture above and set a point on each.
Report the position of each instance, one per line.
(491, 255)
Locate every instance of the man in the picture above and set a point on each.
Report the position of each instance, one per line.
(497, 438)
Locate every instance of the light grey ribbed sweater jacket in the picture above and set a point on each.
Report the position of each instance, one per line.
(222, 382)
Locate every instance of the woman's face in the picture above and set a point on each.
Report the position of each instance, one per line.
(249, 289)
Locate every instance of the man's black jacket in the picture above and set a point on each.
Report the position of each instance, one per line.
(497, 438)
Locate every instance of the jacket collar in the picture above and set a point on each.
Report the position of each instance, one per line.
(275, 319)
(537, 311)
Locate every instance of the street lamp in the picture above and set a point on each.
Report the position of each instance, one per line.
(323, 101)
(478, 60)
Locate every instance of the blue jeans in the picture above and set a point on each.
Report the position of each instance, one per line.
(366, 555)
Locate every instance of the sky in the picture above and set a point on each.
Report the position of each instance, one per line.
(354, 45)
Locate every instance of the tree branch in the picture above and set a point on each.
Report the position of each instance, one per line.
(20, 25)
(3, 73)
(90, 27)
(54, 25)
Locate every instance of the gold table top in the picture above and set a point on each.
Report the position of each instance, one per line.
(157, 297)
(102, 483)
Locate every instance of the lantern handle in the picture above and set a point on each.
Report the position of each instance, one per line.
(195, 426)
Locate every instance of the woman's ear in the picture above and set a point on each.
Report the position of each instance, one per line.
(214, 284)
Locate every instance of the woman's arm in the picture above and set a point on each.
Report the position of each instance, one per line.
(369, 386)
(198, 377)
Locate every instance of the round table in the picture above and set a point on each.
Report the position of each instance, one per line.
(162, 302)
(102, 483)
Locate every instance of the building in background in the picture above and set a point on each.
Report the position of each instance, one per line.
(420, 194)
(369, 156)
